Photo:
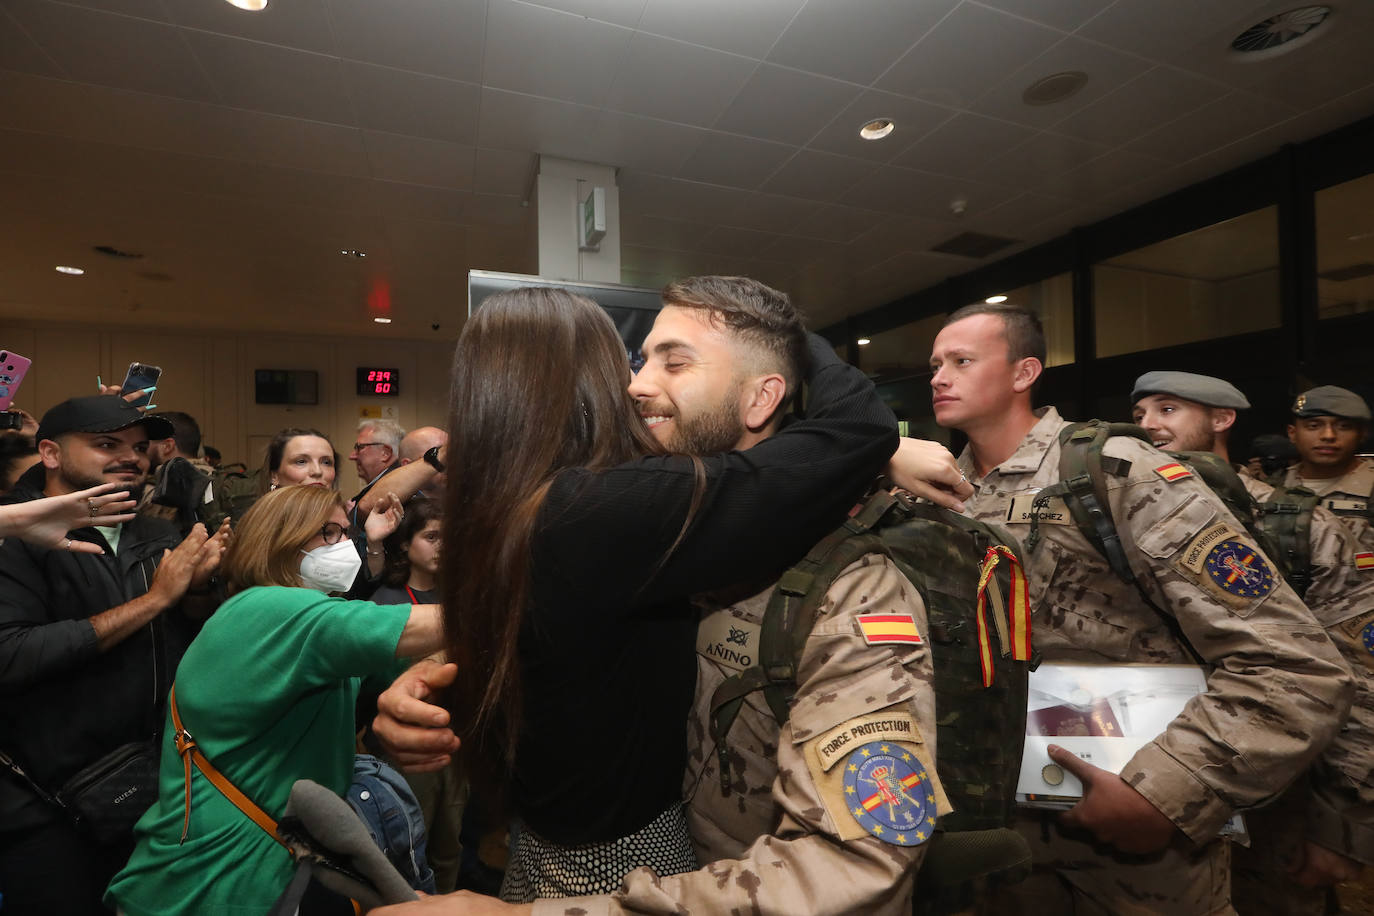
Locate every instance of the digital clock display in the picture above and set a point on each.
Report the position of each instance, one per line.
(378, 382)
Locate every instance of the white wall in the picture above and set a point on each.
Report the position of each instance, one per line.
(210, 376)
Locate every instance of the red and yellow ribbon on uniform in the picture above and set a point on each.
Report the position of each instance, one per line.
(1018, 609)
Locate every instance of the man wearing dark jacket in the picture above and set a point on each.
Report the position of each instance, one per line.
(89, 644)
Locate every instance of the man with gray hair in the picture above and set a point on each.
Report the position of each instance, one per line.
(375, 453)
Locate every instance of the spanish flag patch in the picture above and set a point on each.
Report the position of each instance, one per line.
(1172, 472)
(1364, 560)
(879, 629)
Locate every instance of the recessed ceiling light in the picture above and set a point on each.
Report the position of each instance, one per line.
(382, 320)
(863, 341)
(993, 300)
(352, 253)
(1054, 88)
(252, 6)
(70, 271)
(877, 129)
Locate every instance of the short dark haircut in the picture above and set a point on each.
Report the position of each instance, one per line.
(13, 447)
(759, 314)
(211, 452)
(419, 512)
(1021, 327)
(185, 430)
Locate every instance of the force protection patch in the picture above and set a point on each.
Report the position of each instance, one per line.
(889, 794)
(1367, 637)
(1238, 569)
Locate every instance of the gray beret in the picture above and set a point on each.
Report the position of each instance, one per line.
(1330, 401)
(1203, 389)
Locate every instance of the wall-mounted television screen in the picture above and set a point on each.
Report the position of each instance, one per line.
(286, 386)
(632, 308)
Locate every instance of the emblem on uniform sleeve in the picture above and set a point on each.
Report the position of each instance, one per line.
(1239, 569)
(1367, 637)
(1364, 560)
(888, 792)
(1173, 471)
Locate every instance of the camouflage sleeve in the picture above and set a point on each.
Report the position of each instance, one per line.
(860, 737)
(1277, 690)
(1341, 596)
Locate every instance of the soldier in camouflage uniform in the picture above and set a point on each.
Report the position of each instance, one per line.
(829, 813)
(1144, 841)
(1184, 412)
(1329, 423)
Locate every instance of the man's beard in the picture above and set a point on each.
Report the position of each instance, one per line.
(76, 480)
(711, 431)
(1197, 437)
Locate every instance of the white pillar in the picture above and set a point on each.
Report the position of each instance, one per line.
(563, 185)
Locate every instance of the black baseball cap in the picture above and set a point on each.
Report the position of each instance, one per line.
(99, 413)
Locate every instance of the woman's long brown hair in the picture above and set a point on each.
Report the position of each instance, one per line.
(538, 386)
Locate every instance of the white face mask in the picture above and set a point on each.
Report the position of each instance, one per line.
(331, 568)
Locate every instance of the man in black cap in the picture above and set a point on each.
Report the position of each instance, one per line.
(89, 643)
(1329, 423)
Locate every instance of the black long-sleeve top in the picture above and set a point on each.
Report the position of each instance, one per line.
(608, 640)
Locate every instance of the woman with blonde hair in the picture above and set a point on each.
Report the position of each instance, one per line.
(268, 692)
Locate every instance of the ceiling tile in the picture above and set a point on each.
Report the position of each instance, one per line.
(300, 24)
(110, 50)
(511, 120)
(741, 28)
(437, 37)
(1066, 15)
(1229, 118)
(675, 81)
(414, 160)
(630, 141)
(1107, 70)
(619, 12)
(502, 211)
(1166, 29)
(738, 162)
(963, 145)
(143, 9)
(855, 40)
(1018, 216)
(913, 120)
(837, 223)
(409, 201)
(504, 172)
(545, 52)
(769, 213)
(1039, 158)
(1104, 176)
(19, 52)
(786, 105)
(1154, 97)
(896, 190)
(797, 250)
(400, 102)
(745, 243)
(965, 55)
(263, 77)
(674, 198)
(1328, 66)
(657, 232)
(818, 176)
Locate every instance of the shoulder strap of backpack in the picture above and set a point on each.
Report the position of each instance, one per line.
(788, 619)
(1286, 519)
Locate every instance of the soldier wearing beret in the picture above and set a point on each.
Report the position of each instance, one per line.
(1329, 423)
(1322, 830)
(1145, 840)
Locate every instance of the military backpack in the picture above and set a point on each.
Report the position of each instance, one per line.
(1281, 525)
(980, 689)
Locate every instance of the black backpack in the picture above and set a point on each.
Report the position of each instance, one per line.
(980, 729)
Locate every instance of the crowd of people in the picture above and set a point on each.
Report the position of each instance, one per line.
(544, 613)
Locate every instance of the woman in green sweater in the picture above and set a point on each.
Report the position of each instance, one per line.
(267, 689)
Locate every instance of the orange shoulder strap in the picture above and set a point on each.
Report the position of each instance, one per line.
(191, 753)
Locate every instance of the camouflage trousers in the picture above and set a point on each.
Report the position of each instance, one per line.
(1260, 883)
(1072, 874)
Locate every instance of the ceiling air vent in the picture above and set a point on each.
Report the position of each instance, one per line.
(1349, 272)
(114, 252)
(1279, 34)
(973, 245)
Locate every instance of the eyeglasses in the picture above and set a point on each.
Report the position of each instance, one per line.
(333, 532)
(359, 446)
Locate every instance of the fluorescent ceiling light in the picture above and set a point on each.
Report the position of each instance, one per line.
(993, 300)
(863, 341)
(70, 271)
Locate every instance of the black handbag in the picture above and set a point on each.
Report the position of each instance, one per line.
(106, 798)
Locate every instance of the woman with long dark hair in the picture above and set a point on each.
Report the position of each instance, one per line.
(571, 543)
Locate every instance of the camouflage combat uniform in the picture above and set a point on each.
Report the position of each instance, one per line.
(1335, 800)
(1346, 496)
(783, 838)
(1276, 693)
